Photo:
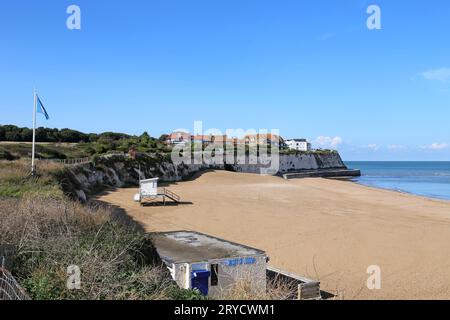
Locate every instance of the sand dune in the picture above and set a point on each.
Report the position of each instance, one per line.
(325, 229)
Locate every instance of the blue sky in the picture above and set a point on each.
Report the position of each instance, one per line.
(309, 68)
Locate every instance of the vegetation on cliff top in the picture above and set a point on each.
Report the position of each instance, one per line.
(17, 134)
(67, 143)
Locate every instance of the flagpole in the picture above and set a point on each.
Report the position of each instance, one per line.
(33, 167)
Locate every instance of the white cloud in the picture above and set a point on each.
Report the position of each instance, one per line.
(396, 147)
(442, 74)
(373, 147)
(328, 142)
(436, 146)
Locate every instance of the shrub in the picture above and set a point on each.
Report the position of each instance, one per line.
(6, 155)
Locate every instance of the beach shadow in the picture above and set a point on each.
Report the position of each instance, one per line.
(120, 215)
(167, 204)
(105, 190)
(327, 295)
(93, 197)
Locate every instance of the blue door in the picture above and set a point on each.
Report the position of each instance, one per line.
(200, 281)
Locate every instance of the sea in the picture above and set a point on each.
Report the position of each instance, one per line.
(429, 179)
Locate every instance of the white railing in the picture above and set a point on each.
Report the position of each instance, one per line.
(171, 195)
(69, 162)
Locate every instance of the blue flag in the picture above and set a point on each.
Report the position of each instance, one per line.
(41, 109)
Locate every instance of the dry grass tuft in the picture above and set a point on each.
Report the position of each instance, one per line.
(276, 289)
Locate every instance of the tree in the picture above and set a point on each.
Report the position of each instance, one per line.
(113, 136)
(145, 139)
(26, 134)
(92, 137)
(11, 133)
(163, 137)
(12, 136)
(68, 135)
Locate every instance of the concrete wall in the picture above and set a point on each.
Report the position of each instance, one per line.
(310, 161)
(298, 162)
(251, 275)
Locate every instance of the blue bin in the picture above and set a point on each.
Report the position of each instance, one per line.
(200, 281)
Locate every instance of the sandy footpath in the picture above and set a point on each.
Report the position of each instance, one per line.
(324, 229)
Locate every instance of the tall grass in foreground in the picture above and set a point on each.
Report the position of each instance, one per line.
(45, 236)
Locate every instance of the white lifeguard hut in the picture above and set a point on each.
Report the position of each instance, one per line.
(148, 191)
(148, 187)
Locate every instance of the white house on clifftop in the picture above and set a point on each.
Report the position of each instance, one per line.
(298, 144)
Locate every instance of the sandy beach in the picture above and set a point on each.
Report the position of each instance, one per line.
(328, 230)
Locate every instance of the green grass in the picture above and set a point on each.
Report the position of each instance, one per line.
(10, 151)
(16, 182)
(18, 191)
(297, 152)
(44, 151)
